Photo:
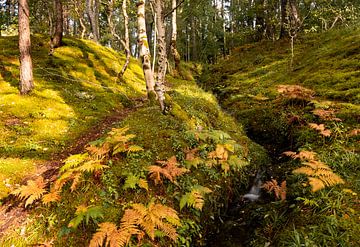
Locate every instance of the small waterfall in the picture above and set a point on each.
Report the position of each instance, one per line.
(254, 192)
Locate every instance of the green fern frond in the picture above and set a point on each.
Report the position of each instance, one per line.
(194, 198)
(132, 181)
(86, 213)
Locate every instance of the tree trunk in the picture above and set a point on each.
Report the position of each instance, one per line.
(283, 21)
(26, 69)
(57, 39)
(194, 52)
(110, 10)
(162, 54)
(92, 9)
(173, 48)
(81, 21)
(144, 51)
(294, 17)
(127, 39)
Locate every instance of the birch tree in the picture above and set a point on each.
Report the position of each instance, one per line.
(162, 54)
(144, 51)
(26, 67)
(126, 42)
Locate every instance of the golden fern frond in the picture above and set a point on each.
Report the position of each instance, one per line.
(63, 179)
(134, 148)
(105, 232)
(32, 191)
(91, 166)
(319, 174)
(220, 153)
(74, 161)
(53, 196)
(151, 218)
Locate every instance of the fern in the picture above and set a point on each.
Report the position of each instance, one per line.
(132, 181)
(151, 218)
(32, 191)
(194, 198)
(319, 174)
(279, 191)
(169, 169)
(53, 196)
(321, 128)
(74, 161)
(118, 139)
(85, 213)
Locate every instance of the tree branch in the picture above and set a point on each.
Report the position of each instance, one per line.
(177, 6)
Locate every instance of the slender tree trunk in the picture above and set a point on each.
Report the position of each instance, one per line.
(127, 39)
(162, 54)
(26, 68)
(93, 14)
(81, 22)
(110, 10)
(144, 51)
(194, 53)
(57, 39)
(173, 48)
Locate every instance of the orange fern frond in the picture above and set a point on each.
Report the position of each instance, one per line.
(151, 218)
(295, 92)
(170, 170)
(321, 128)
(105, 232)
(32, 191)
(279, 191)
(328, 115)
(220, 153)
(99, 152)
(319, 174)
(53, 196)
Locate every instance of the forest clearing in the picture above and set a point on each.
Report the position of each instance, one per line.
(222, 123)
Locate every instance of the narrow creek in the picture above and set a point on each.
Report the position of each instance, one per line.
(239, 223)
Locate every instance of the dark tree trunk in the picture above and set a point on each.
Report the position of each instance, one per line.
(26, 69)
(57, 39)
(92, 9)
(283, 21)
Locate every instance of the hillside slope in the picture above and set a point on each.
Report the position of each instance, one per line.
(177, 171)
(309, 105)
(75, 89)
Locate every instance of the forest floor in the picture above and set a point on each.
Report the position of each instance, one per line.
(13, 214)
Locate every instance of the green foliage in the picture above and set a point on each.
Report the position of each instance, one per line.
(194, 198)
(84, 213)
(133, 181)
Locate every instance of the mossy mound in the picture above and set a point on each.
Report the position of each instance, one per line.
(75, 89)
(306, 103)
